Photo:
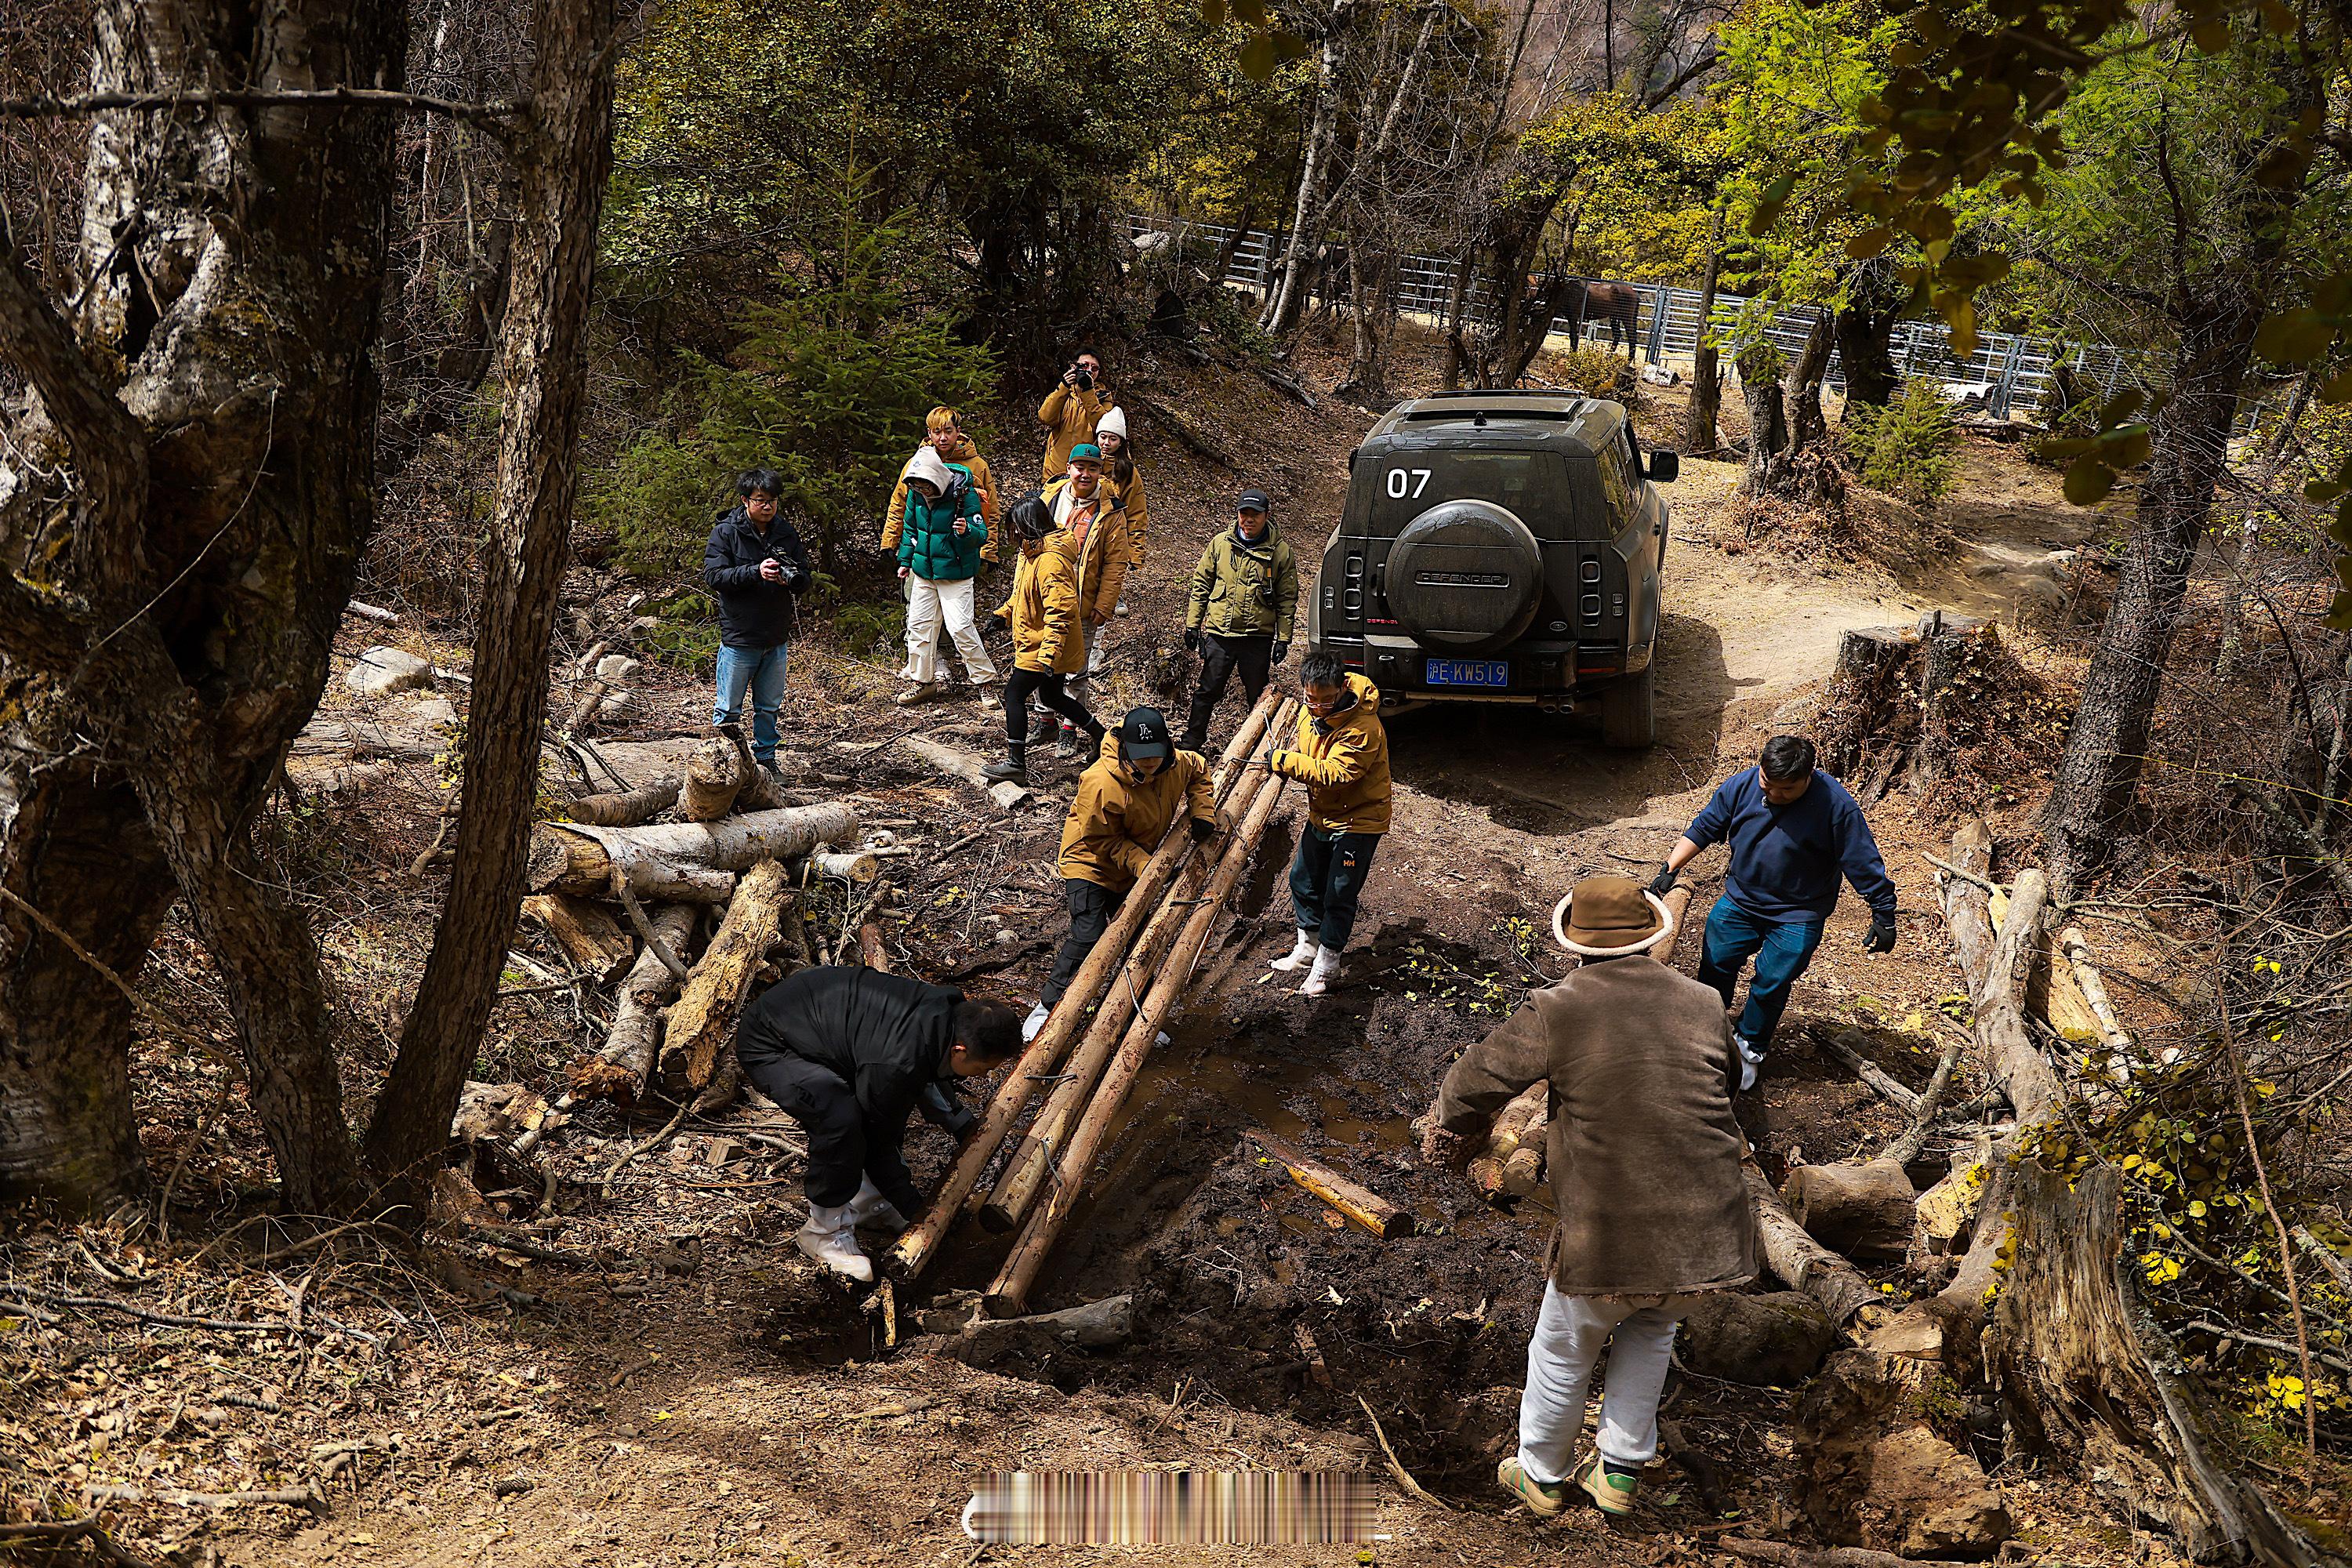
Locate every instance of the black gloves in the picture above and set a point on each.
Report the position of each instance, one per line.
(1281, 652)
(1204, 829)
(1663, 883)
(1191, 639)
(1881, 933)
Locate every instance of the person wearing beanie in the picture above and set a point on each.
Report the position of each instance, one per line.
(1795, 832)
(1071, 410)
(1087, 508)
(1643, 1157)
(938, 555)
(1140, 786)
(1244, 602)
(1125, 481)
(1343, 758)
(1047, 648)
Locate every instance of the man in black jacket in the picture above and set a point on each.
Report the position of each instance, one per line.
(755, 566)
(848, 1052)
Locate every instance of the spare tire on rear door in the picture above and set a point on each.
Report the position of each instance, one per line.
(1464, 575)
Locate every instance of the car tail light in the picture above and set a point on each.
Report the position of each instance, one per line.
(1351, 597)
(1589, 606)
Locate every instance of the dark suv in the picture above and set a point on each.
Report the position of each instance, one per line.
(1501, 547)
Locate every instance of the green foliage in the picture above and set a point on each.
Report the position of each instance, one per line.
(828, 385)
(871, 628)
(1905, 449)
(686, 633)
(1632, 186)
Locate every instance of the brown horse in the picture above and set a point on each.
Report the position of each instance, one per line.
(1584, 303)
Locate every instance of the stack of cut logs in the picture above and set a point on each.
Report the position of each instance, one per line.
(625, 895)
(1092, 1054)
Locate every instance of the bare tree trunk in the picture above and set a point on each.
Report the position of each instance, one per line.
(212, 545)
(566, 160)
(1707, 376)
(2091, 800)
(1287, 298)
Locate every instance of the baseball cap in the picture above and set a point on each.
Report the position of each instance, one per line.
(1252, 500)
(1087, 452)
(1144, 733)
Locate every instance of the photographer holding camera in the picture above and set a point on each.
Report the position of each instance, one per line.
(1071, 410)
(755, 567)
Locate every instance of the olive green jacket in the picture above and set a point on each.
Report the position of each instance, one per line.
(1246, 590)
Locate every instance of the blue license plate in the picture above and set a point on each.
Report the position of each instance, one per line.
(1468, 672)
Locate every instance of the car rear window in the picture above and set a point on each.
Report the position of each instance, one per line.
(1555, 496)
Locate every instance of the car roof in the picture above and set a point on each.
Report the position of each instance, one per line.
(1556, 419)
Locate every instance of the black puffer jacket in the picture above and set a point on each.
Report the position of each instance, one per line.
(752, 611)
(883, 1035)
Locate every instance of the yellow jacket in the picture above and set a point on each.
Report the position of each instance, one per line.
(969, 455)
(1344, 764)
(1069, 418)
(1117, 819)
(1139, 517)
(1045, 610)
(1102, 564)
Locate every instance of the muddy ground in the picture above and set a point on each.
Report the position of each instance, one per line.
(698, 1394)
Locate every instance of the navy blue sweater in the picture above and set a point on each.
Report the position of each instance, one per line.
(1786, 859)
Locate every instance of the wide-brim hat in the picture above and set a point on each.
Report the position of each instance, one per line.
(1610, 916)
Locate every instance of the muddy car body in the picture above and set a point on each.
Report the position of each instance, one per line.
(1502, 547)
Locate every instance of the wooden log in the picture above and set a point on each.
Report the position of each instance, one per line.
(870, 949)
(1861, 1210)
(578, 857)
(2086, 1370)
(1010, 1291)
(624, 808)
(1799, 1262)
(2074, 948)
(861, 867)
(713, 779)
(1031, 1164)
(589, 937)
(346, 781)
(618, 1071)
(702, 1021)
(1523, 1172)
(1358, 1204)
(761, 792)
(1486, 1169)
(1099, 1325)
(1847, 1047)
(372, 612)
(959, 763)
(1780, 1554)
(915, 1249)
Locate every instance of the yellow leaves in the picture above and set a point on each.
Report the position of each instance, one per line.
(2159, 1269)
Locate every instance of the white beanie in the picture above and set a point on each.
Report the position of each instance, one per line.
(929, 466)
(1112, 423)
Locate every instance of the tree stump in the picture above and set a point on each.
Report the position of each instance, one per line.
(1773, 1341)
(714, 778)
(1862, 1211)
(1872, 1473)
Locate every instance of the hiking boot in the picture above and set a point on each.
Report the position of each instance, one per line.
(776, 773)
(1545, 1499)
(989, 702)
(870, 1207)
(1300, 955)
(910, 694)
(1066, 744)
(1041, 728)
(1319, 978)
(829, 1238)
(1012, 769)
(1751, 1062)
(1610, 1487)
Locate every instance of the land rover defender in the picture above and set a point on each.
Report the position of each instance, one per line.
(1502, 546)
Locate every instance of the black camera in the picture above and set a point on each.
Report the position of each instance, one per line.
(1085, 381)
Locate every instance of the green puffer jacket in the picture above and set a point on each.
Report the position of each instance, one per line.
(929, 545)
(1242, 589)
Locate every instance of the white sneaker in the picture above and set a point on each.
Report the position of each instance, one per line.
(870, 1207)
(1319, 979)
(1301, 954)
(1751, 1062)
(1035, 1022)
(829, 1238)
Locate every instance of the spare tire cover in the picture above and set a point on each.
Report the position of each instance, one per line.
(1464, 574)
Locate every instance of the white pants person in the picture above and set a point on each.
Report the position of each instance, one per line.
(1570, 1330)
(930, 602)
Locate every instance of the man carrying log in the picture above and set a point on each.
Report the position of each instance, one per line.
(1126, 802)
(1643, 1158)
(1343, 758)
(1793, 831)
(849, 1052)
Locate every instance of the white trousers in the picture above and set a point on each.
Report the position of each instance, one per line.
(928, 603)
(1570, 1330)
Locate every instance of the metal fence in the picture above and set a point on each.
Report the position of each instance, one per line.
(2009, 375)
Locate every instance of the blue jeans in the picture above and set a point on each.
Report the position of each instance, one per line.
(1326, 876)
(1781, 949)
(762, 669)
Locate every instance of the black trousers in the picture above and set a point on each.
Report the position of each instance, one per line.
(844, 1146)
(1091, 907)
(1220, 657)
(1052, 691)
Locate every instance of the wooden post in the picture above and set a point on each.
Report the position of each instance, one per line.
(618, 1071)
(1007, 1295)
(913, 1252)
(702, 1021)
(1362, 1207)
(667, 860)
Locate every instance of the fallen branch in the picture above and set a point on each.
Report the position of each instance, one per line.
(618, 1071)
(170, 1320)
(57, 1532)
(958, 764)
(288, 1497)
(647, 931)
(1885, 1083)
(1780, 1554)
(1360, 1205)
(1403, 1476)
(624, 808)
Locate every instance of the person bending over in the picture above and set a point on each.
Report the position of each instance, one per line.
(1343, 758)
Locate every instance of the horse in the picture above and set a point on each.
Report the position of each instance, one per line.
(1619, 305)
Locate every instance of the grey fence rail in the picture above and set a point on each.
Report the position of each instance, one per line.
(2009, 375)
